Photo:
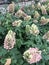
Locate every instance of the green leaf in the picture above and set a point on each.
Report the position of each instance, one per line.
(2, 51)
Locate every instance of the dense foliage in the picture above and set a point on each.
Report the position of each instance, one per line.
(24, 40)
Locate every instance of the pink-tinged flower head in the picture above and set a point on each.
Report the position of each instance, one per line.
(9, 41)
(32, 55)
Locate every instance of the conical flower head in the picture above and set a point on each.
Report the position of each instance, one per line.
(9, 41)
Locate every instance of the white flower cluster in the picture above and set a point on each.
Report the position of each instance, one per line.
(27, 18)
(20, 13)
(44, 20)
(17, 23)
(10, 40)
(33, 29)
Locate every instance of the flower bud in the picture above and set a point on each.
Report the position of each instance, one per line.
(37, 15)
(27, 28)
(39, 5)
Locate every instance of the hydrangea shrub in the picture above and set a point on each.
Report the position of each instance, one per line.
(24, 35)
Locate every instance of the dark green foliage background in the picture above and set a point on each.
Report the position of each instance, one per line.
(23, 41)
